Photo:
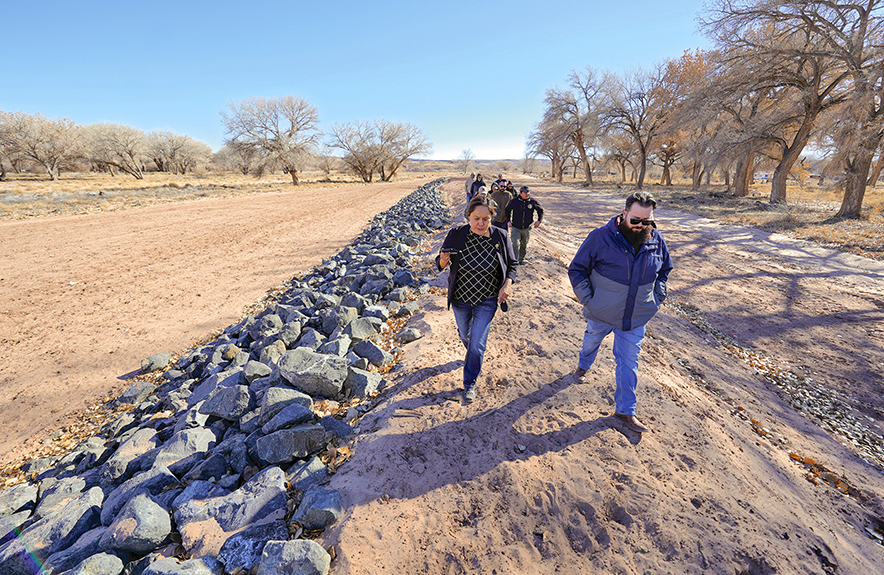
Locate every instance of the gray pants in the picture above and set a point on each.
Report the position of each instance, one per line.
(520, 241)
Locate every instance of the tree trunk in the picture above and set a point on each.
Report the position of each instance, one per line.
(696, 175)
(876, 170)
(666, 180)
(855, 186)
(623, 172)
(294, 174)
(643, 167)
(745, 166)
(587, 170)
(727, 179)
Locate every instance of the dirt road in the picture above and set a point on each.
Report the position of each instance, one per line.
(537, 476)
(83, 299)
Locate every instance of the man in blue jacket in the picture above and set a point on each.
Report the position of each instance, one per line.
(619, 275)
(520, 215)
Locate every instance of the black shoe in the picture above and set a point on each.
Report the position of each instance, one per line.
(580, 375)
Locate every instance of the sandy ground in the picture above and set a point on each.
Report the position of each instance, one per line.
(536, 476)
(84, 299)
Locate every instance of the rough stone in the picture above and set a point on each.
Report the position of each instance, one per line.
(205, 525)
(373, 353)
(98, 564)
(319, 508)
(287, 445)
(243, 550)
(228, 402)
(299, 557)
(314, 373)
(140, 527)
(156, 361)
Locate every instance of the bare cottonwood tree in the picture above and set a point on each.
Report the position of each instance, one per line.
(465, 161)
(847, 38)
(399, 142)
(381, 146)
(241, 157)
(285, 128)
(116, 147)
(49, 142)
(361, 148)
(638, 108)
(176, 153)
(550, 138)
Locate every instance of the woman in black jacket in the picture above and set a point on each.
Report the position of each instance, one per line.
(481, 276)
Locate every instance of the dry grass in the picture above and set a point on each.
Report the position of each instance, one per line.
(809, 213)
(25, 196)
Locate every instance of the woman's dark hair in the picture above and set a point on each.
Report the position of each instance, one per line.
(481, 200)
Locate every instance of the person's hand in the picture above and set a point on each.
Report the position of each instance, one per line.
(537, 224)
(444, 259)
(504, 292)
(509, 225)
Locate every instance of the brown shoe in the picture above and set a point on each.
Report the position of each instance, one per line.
(633, 423)
(580, 375)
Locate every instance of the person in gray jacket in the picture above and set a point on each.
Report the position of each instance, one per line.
(619, 274)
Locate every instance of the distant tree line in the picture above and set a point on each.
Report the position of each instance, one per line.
(57, 144)
(263, 135)
(783, 75)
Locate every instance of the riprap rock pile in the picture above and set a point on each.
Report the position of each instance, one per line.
(218, 460)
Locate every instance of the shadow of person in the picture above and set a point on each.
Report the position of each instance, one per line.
(409, 464)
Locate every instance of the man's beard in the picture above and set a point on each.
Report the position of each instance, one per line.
(635, 238)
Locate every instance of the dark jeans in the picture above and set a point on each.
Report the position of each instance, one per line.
(473, 325)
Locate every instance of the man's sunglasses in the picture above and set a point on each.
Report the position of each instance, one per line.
(637, 221)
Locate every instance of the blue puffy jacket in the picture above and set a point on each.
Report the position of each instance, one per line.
(616, 284)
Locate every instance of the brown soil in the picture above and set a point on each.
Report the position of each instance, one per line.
(536, 476)
(86, 298)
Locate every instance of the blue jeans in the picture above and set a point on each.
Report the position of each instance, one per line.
(473, 325)
(627, 344)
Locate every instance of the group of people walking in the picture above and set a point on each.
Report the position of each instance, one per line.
(518, 213)
(618, 274)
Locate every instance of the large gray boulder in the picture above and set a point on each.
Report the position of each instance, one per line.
(319, 508)
(56, 493)
(184, 449)
(314, 373)
(119, 466)
(336, 317)
(51, 534)
(228, 378)
(85, 547)
(305, 475)
(206, 524)
(269, 325)
(228, 403)
(152, 481)
(243, 550)
(198, 566)
(292, 414)
(299, 557)
(98, 564)
(361, 383)
(17, 498)
(373, 353)
(140, 527)
(287, 445)
(361, 329)
(277, 398)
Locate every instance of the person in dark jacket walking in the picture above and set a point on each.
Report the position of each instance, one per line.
(474, 188)
(520, 215)
(480, 278)
(619, 274)
(502, 198)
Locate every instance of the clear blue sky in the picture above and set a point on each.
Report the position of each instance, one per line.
(468, 74)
